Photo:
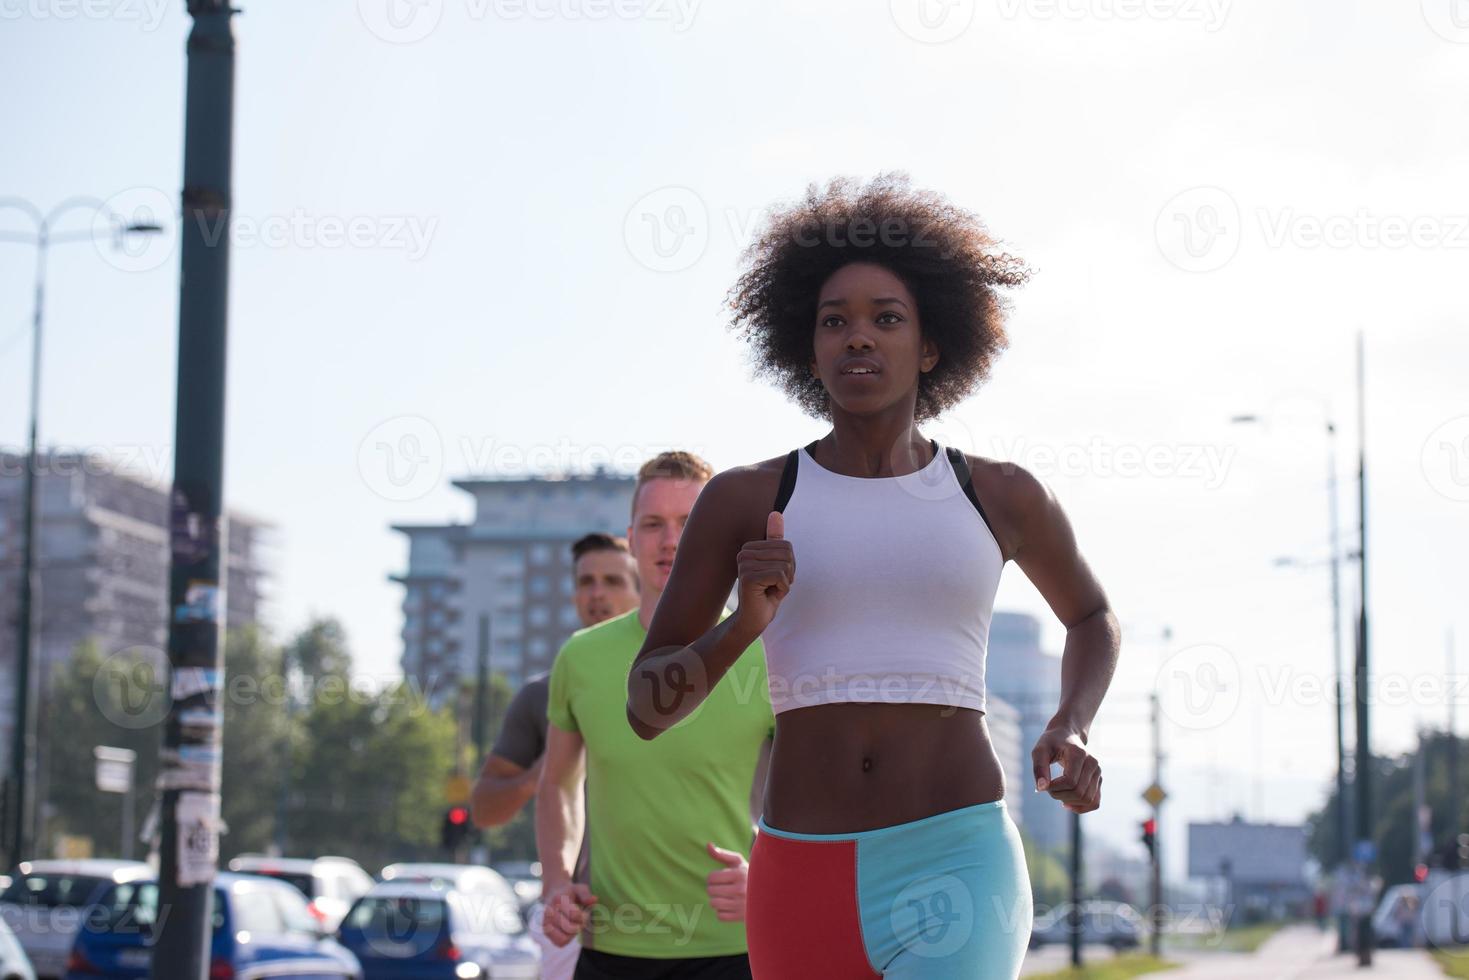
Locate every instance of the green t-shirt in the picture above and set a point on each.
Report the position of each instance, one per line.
(654, 805)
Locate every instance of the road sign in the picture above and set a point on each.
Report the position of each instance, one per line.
(114, 768)
(1365, 851)
(1154, 795)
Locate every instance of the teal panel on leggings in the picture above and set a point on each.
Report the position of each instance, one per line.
(947, 896)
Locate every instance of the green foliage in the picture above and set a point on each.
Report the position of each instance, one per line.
(1393, 824)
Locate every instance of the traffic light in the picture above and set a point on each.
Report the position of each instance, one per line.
(1150, 837)
(456, 828)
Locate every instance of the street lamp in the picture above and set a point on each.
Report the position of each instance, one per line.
(21, 740)
(1334, 560)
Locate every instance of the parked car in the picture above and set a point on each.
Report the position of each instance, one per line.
(261, 928)
(426, 931)
(471, 879)
(330, 884)
(45, 900)
(1114, 924)
(1398, 918)
(14, 964)
(525, 878)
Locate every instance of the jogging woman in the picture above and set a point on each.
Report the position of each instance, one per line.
(867, 562)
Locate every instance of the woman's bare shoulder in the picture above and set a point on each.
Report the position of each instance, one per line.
(746, 494)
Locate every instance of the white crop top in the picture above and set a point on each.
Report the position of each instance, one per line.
(894, 591)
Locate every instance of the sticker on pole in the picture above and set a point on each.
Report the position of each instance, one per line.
(197, 816)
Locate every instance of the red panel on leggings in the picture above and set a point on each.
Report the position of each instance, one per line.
(801, 918)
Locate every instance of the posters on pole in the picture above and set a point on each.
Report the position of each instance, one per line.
(197, 817)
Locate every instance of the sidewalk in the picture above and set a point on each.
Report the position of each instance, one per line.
(1303, 953)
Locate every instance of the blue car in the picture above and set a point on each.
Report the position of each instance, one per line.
(262, 928)
(432, 931)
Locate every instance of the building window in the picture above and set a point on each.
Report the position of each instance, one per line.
(540, 585)
(569, 617)
(538, 615)
(539, 648)
(540, 554)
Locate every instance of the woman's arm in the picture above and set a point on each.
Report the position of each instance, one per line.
(688, 650)
(1044, 546)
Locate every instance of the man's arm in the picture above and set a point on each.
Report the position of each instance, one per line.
(501, 790)
(510, 773)
(560, 815)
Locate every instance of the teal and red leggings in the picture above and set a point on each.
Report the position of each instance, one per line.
(944, 897)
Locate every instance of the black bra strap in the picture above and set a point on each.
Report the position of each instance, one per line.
(961, 470)
(787, 481)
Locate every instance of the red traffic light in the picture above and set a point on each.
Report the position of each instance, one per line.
(458, 815)
(1150, 826)
(1420, 872)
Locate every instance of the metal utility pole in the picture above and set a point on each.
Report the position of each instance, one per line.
(189, 765)
(1156, 900)
(1074, 917)
(482, 691)
(1454, 787)
(18, 808)
(1363, 770)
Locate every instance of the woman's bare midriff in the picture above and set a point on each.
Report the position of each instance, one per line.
(841, 768)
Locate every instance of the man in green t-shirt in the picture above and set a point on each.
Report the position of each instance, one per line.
(670, 822)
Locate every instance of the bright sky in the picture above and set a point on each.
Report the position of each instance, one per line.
(506, 229)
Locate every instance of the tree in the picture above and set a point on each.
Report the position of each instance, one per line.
(256, 740)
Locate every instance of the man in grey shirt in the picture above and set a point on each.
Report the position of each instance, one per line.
(606, 585)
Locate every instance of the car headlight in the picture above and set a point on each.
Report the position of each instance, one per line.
(467, 971)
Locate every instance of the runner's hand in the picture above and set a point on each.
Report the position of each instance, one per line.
(727, 885)
(565, 911)
(766, 569)
(1079, 786)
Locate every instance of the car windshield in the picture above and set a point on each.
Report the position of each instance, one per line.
(134, 908)
(302, 882)
(49, 891)
(412, 923)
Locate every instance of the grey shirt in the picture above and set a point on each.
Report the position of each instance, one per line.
(522, 740)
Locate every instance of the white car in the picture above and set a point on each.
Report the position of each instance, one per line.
(484, 887)
(330, 884)
(45, 902)
(14, 965)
